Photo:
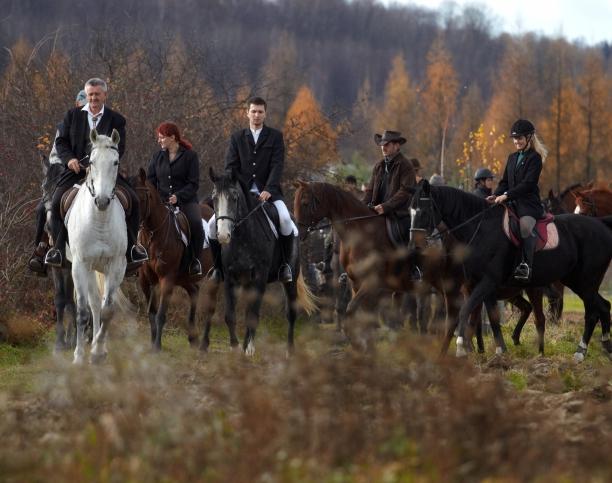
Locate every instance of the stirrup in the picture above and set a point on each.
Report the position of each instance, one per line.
(214, 275)
(54, 258)
(138, 254)
(416, 275)
(285, 274)
(522, 272)
(195, 263)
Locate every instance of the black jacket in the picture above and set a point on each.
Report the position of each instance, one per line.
(73, 139)
(180, 177)
(520, 183)
(262, 163)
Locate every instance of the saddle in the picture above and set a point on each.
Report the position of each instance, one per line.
(398, 230)
(271, 215)
(182, 225)
(546, 231)
(68, 198)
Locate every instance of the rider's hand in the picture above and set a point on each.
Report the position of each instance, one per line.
(264, 195)
(501, 199)
(172, 200)
(74, 165)
(379, 209)
(491, 199)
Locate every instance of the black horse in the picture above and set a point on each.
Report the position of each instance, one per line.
(580, 260)
(65, 309)
(251, 258)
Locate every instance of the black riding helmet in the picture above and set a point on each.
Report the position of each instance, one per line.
(483, 173)
(522, 127)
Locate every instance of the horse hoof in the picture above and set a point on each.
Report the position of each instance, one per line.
(78, 359)
(193, 341)
(516, 341)
(250, 350)
(578, 356)
(499, 350)
(97, 358)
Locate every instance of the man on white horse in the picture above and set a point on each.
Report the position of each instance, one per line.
(73, 149)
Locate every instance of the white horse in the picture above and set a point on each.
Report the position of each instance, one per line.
(98, 240)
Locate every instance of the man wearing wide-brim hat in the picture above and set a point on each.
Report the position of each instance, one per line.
(392, 177)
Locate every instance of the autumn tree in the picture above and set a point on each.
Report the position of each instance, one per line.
(480, 150)
(310, 139)
(439, 100)
(398, 109)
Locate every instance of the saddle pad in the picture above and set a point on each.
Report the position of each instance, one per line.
(182, 225)
(547, 233)
(206, 228)
(70, 194)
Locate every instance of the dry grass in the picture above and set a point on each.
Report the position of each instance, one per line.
(326, 414)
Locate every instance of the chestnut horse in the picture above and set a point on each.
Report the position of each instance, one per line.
(594, 202)
(167, 266)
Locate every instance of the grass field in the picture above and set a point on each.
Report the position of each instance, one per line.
(327, 414)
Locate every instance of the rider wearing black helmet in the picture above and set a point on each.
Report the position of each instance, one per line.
(484, 182)
(519, 184)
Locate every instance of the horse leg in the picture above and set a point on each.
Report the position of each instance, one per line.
(536, 297)
(453, 306)
(165, 291)
(192, 335)
(252, 318)
(475, 323)
(525, 308)
(494, 317)
(149, 292)
(60, 306)
(230, 312)
(365, 298)
(79, 275)
(70, 310)
(98, 316)
(591, 315)
(482, 289)
(291, 311)
(210, 297)
(604, 317)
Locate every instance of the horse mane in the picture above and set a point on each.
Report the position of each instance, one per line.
(339, 198)
(571, 187)
(467, 205)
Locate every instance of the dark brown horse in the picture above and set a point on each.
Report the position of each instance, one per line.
(594, 202)
(167, 266)
(371, 261)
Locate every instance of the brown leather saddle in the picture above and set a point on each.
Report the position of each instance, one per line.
(546, 230)
(120, 192)
(181, 224)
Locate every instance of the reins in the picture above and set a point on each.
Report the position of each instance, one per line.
(480, 214)
(311, 228)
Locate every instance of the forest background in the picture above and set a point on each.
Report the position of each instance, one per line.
(334, 73)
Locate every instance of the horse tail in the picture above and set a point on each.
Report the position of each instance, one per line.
(123, 303)
(306, 298)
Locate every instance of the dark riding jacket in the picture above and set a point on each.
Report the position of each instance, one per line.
(482, 192)
(180, 177)
(261, 163)
(400, 178)
(520, 183)
(73, 139)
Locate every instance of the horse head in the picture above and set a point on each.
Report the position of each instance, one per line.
(423, 216)
(306, 207)
(103, 168)
(228, 198)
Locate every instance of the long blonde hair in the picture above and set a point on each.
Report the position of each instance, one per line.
(539, 146)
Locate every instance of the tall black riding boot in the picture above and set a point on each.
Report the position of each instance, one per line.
(524, 270)
(216, 273)
(290, 251)
(57, 254)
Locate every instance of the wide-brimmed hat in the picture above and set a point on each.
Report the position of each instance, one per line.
(389, 137)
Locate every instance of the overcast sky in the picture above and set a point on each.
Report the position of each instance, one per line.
(588, 20)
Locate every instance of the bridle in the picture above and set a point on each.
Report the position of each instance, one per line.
(89, 180)
(237, 222)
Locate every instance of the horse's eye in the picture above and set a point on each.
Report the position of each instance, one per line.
(116, 163)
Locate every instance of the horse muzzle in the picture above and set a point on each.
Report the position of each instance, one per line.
(102, 202)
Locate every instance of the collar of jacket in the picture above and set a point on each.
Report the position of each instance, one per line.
(179, 153)
(262, 135)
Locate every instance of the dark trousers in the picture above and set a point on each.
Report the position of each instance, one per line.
(65, 183)
(194, 216)
(41, 215)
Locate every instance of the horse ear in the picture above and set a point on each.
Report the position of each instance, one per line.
(142, 175)
(551, 194)
(115, 138)
(212, 175)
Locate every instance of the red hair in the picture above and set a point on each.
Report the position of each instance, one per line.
(171, 129)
